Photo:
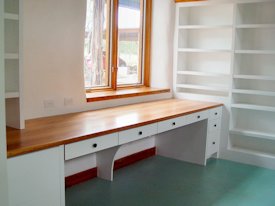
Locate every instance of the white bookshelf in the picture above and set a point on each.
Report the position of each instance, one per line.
(225, 51)
(203, 50)
(253, 88)
(13, 70)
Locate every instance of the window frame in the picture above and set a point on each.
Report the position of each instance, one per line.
(113, 48)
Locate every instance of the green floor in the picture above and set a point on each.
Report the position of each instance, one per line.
(162, 181)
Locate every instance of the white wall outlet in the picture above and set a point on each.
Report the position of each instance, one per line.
(48, 103)
(68, 101)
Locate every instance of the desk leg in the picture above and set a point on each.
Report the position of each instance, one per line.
(186, 143)
(105, 163)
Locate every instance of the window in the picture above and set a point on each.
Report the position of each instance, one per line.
(96, 45)
(117, 44)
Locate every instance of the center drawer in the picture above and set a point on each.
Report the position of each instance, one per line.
(137, 133)
(89, 146)
(171, 124)
(196, 117)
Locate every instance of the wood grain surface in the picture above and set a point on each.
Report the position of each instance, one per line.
(53, 131)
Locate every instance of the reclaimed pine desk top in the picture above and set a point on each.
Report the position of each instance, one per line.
(44, 133)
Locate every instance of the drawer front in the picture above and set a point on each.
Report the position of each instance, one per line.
(196, 117)
(137, 133)
(214, 125)
(215, 113)
(89, 146)
(212, 143)
(171, 124)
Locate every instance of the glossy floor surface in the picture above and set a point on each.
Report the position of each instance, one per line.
(160, 181)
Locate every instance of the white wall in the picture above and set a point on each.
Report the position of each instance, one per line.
(3, 149)
(162, 43)
(53, 53)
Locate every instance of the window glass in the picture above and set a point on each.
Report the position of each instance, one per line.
(130, 35)
(96, 46)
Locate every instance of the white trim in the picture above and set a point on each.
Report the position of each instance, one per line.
(249, 157)
(11, 56)
(197, 73)
(204, 50)
(254, 77)
(255, 26)
(21, 66)
(10, 95)
(3, 149)
(250, 51)
(253, 92)
(205, 27)
(203, 87)
(253, 107)
(11, 16)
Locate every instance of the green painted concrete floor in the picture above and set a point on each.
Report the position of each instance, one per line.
(166, 182)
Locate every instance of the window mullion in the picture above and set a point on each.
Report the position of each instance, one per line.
(147, 50)
(114, 36)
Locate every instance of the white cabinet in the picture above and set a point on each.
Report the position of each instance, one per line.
(37, 178)
(213, 131)
(13, 64)
(212, 145)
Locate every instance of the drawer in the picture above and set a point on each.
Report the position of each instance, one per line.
(137, 133)
(214, 125)
(89, 146)
(215, 113)
(212, 143)
(171, 124)
(196, 117)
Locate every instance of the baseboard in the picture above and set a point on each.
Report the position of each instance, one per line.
(120, 163)
(131, 159)
(80, 177)
(251, 158)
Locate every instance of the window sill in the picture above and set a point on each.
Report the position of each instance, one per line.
(123, 93)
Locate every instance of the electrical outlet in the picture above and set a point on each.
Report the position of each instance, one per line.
(68, 101)
(48, 103)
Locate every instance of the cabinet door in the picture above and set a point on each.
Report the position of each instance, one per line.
(37, 178)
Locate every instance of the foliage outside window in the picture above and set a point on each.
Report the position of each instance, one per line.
(114, 52)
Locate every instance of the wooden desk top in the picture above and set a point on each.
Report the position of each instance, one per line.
(53, 131)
